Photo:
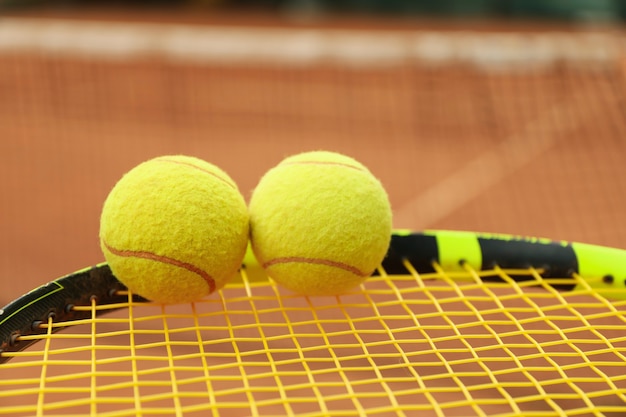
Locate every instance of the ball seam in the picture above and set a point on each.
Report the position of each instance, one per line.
(315, 261)
(206, 171)
(331, 163)
(126, 253)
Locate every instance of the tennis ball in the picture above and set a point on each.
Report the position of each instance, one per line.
(320, 223)
(174, 229)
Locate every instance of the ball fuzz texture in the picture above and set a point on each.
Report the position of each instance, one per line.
(320, 223)
(174, 229)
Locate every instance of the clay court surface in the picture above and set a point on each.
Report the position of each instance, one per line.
(522, 149)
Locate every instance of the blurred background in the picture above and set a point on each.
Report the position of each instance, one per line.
(494, 116)
(588, 10)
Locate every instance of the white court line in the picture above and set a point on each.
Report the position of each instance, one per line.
(117, 40)
(489, 168)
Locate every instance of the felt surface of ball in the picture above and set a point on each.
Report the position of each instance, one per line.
(320, 223)
(174, 229)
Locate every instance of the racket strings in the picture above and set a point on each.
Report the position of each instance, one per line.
(447, 342)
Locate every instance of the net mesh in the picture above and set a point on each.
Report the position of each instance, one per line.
(444, 343)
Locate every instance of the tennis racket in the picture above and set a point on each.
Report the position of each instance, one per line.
(452, 323)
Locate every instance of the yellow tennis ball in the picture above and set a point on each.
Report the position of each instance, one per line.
(174, 229)
(320, 223)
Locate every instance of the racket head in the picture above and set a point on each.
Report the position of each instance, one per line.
(434, 330)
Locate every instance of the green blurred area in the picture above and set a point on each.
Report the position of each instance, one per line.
(587, 10)
(568, 10)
